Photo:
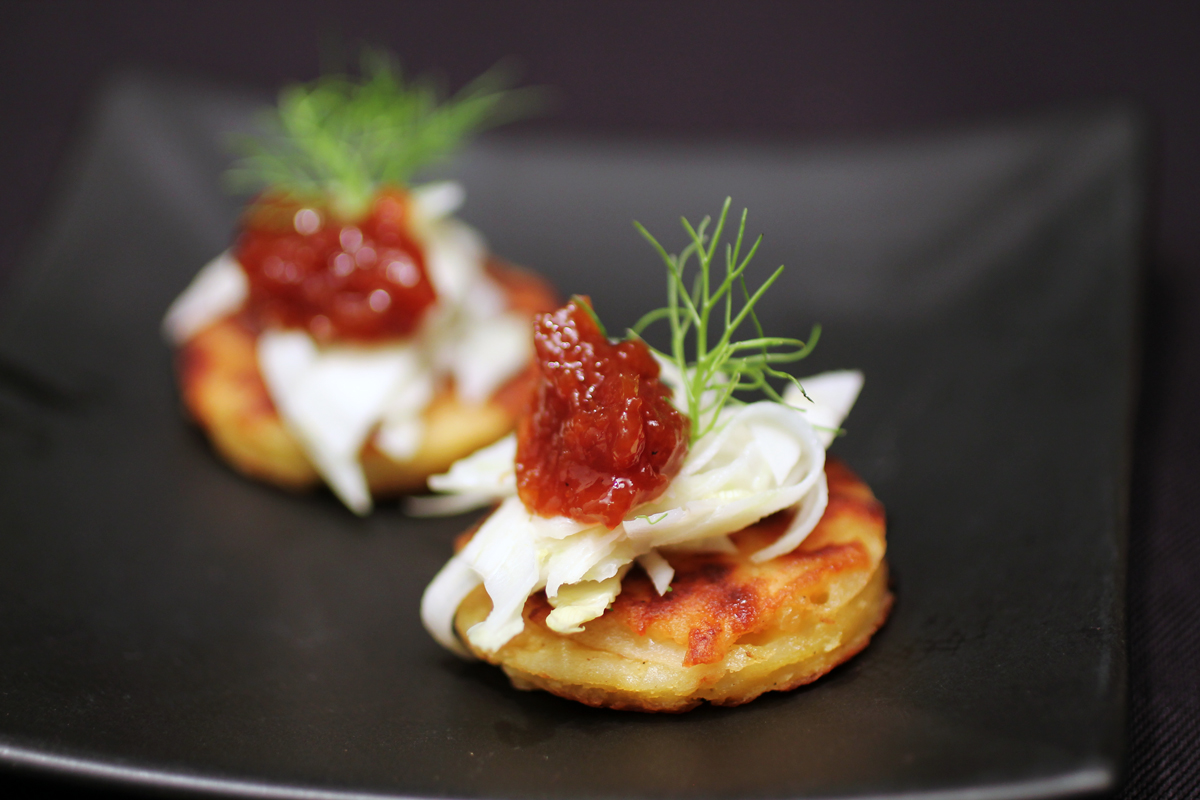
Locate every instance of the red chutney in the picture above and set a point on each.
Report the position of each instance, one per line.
(361, 281)
(602, 436)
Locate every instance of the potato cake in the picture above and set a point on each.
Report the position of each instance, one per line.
(222, 388)
(729, 629)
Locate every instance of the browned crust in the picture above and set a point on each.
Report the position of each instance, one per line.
(729, 630)
(223, 391)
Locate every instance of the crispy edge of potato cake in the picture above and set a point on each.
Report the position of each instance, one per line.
(223, 392)
(729, 630)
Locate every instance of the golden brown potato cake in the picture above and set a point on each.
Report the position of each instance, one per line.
(728, 630)
(223, 391)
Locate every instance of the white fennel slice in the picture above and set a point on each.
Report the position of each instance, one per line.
(760, 458)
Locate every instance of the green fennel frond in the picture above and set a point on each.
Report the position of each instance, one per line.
(717, 369)
(342, 137)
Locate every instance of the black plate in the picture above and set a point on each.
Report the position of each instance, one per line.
(165, 622)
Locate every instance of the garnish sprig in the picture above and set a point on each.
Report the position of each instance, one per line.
(341, 137)
(724, 366)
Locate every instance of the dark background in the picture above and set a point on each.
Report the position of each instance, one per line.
(758, 71)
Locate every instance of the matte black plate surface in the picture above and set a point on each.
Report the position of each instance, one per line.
(164, 621)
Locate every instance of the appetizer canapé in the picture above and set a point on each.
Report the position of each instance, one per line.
(659, 543)
(356, 332)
